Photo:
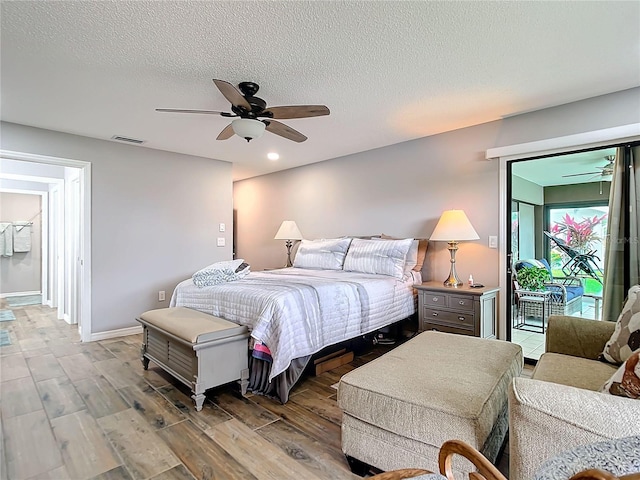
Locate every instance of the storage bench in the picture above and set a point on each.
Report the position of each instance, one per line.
(400, 408)
(200, 350)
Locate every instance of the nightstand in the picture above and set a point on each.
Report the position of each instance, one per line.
(462, 310)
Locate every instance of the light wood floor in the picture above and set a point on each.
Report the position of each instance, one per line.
(72, 410)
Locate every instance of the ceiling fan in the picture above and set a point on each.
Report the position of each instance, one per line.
(250, 109)
(605, 171)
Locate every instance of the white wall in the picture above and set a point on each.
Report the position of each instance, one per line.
(154, 218)
(526, 191)
(21, 272)
(402, 189)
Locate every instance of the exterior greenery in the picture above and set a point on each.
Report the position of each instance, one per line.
(533, 278)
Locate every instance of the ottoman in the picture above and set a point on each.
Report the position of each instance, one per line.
(401, 407)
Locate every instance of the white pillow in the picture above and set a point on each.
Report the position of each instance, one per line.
(412, 255)
(325, 254)
(374, 256)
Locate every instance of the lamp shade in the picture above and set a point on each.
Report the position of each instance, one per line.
(453, 225)
(248, 128)
(288, 231)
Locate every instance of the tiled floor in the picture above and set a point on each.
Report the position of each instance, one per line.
(532, 343)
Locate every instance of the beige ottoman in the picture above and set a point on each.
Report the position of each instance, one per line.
(400, 408)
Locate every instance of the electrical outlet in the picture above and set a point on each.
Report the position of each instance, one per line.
(222, 227)
(161, 296)
(221, 242)
(493, 241)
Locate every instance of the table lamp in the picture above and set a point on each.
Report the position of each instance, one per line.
(452, 227)
(288, 231)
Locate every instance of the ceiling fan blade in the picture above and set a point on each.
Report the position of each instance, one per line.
(181, 110)
(226, 133)
(298, 111)
(232, 94)
(284, 131)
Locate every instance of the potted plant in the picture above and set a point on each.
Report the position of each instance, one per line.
(532, 278)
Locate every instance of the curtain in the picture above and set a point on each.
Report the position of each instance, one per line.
(622, 257)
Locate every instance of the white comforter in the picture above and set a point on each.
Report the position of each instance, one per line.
(297, 312)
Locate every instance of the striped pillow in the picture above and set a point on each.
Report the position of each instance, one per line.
(325, 254)
(382, 258)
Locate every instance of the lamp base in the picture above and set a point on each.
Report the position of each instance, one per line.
(453, 280)
(289, 244)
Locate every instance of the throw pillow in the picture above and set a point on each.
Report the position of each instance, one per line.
(626, 336)
(626, 381)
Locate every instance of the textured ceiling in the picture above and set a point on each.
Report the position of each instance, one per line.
(389, 71)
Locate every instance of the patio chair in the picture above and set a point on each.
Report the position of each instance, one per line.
(565, 293)
(578, 262)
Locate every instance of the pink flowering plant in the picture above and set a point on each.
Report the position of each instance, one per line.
(579, 235)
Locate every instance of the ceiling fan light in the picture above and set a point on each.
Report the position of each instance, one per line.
(248, 128)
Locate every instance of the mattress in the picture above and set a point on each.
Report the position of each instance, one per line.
(297, 312)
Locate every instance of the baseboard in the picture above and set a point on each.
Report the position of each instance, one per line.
(20, 294)
(120, 332)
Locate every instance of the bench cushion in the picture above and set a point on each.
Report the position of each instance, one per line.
(573, 371)
(435, 387)
(191, 325)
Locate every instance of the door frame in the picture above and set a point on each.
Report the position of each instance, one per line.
(44, 238)
(553, 146)
(84, 284)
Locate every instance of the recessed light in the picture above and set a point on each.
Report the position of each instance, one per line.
(273, 156)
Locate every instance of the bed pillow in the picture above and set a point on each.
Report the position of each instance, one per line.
(325, 254)
(421, 253)
(374, 256)
(626, 381)
(412, 254)
(626, 336)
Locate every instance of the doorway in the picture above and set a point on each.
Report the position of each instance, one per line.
(558, 212)
(66, 278)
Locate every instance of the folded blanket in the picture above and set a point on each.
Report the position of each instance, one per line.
(261, 351)
(221, 272)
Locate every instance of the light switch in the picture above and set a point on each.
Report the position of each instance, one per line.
(222, 227)
(221, 242)
(493, 241)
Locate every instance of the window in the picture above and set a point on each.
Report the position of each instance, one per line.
(582, 228)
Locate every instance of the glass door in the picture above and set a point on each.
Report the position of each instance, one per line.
(558, 211)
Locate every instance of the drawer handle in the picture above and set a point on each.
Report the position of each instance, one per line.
(435, 299)
(435, 314)
(461, 302)
(461, 319)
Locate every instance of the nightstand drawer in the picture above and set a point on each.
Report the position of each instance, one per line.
(435, 299)
(426, 326)
(460, 320)
(458, 302)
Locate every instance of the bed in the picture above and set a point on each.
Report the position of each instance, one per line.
(325, 298)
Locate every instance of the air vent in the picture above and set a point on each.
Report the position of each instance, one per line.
(127, 139)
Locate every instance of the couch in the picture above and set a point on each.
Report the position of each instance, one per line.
(560, 406)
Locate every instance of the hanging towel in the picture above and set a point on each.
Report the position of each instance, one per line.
(6, 239)
(21, 237)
